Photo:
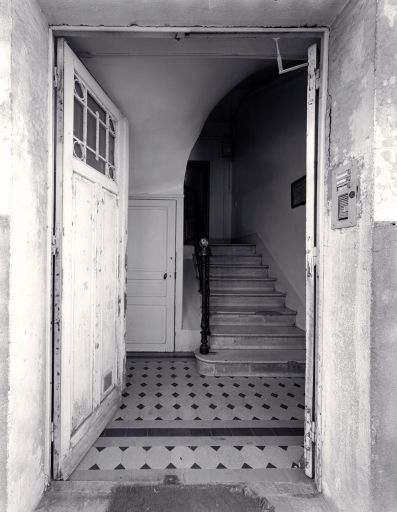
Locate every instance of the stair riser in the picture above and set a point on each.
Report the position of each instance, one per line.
(251, 369)
(244, 319)
(257, 342)
(241, 284)
(244, 250)
(238, 272)
(260, 302)
(238, 260)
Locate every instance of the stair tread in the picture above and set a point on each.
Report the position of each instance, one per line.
(251, 310)
(231, 245)
(251, 355)
(257, 330)
(246, 292)
(237, 278)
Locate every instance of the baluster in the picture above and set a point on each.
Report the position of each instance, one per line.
(205, 293)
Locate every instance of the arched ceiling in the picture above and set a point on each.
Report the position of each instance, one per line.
(167, 87)
(166, 101)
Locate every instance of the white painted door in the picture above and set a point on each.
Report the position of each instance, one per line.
(151, 275)
(311, 256)
(89, 277)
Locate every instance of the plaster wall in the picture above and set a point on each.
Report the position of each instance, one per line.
(27, 424)
(346, 260)
(5, 158)
(270, 153)
(166, 101)
(251, 13)
(384, 305)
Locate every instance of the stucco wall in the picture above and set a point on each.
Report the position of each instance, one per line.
(270, 153)
(384, 306)
(28, 319)
(347, 264)
(5, 157)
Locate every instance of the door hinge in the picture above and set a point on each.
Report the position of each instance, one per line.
(55, 77)
(314, 256)
(52, 431)
(313, 432)
(54, 248)
(317, 74)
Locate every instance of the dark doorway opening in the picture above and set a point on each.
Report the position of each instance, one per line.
(196, 206)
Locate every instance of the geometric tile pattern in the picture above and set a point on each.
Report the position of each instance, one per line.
(191, 457)
(173, 419)
(171, 389)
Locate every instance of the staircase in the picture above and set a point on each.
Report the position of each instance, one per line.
(252, 331)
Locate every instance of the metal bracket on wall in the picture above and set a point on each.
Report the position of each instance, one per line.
(281, 70)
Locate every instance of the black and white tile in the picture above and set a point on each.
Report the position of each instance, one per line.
(172, 419)
(173, 390)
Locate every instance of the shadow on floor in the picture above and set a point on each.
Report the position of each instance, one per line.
(183, 499)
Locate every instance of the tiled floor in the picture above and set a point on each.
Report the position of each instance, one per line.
(172, 419)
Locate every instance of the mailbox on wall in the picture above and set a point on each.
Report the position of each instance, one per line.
(344, 196)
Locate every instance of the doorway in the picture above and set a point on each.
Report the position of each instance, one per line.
(196, 202)
(133, 365)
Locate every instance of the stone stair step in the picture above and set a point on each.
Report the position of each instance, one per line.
(236, 283)
(253, 362)
(257, 330)
(251, 259)
(241, 271)
(229, 249)
(256, 336)
(252, 297)
(248, 315)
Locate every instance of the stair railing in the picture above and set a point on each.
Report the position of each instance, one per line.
(202, 255)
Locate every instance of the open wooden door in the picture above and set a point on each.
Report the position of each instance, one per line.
(311, 256)
(89, 251)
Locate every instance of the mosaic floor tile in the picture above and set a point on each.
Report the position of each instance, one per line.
(173, 419)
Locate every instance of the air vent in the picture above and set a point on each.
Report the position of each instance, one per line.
(343, 207)
(107, 381)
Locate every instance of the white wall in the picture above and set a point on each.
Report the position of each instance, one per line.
(270, 153)
(166, 101)
(28, 249)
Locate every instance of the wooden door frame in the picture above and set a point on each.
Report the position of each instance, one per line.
(323, 33)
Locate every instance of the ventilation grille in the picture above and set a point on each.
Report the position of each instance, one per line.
(107, 381)
(343, 207)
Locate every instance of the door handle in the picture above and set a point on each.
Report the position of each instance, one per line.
(165, 276)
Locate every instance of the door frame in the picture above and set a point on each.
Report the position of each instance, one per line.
(323, 33)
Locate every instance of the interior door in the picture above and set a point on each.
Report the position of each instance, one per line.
(89, 267)
(151, 275)
(311, 256)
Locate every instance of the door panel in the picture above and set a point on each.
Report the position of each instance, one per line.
(151, 275)
(89, 276)
(311, 260)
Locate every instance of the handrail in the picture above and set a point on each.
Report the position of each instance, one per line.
(202, 255)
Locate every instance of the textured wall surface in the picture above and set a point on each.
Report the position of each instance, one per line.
(5, 157)
(384, 308)
(192, 12)
(28, 317)
(347, 263)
